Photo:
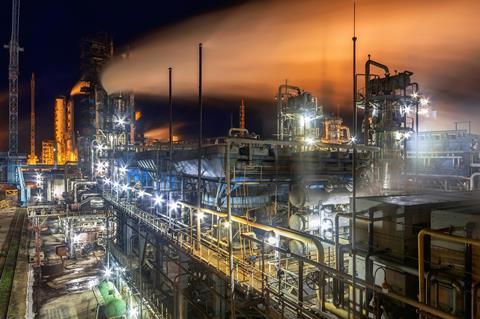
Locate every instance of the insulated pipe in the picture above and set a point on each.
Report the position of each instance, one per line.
(243, 131)
(472, 180)
(437, 277)
(368, 65)
(230, 231)
(421, 254)
(287, 233)
(475, 288)
(78, 184)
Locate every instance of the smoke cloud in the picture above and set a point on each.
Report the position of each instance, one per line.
(162, 133)
(252, 48)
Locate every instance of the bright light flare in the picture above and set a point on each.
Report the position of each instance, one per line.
(406, 110)
(92, 283)
(107, 272)
(173, 205)
(123, 170)
(120, 121)
(158, 200)
(132, 313)
(200, 215)
(424, 101)
(310, 141)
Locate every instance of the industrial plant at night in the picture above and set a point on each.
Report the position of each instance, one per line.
(240, 159)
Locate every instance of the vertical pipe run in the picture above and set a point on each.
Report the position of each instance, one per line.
(300, 287)
(200, 136)
(140, 266)
(467, 280)
(230, 231)
(354, 155)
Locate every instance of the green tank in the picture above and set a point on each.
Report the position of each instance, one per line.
(115, 308)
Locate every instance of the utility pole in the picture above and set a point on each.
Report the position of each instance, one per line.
(200, 137)
(14, 49)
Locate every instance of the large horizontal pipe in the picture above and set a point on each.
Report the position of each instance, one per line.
(304, 238)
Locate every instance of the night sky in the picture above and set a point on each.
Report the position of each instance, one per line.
(51, 32)
(250, 48)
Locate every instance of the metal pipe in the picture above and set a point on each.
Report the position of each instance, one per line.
(230, 232)
(474, 293)
(306, 239)
(354, 161)
(421, 253)
(347, 278)
(170, 142)
(75, 184)
(467, 277)
(472, 180)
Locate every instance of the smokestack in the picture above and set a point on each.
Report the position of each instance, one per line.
(32, 158)
(242, 118)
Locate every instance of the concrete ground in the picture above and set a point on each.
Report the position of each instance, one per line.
(80, 305)
(6, 216)
(66, 294)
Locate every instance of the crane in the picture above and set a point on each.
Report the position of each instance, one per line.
(14, 49)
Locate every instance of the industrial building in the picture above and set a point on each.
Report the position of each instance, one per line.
(319, 220)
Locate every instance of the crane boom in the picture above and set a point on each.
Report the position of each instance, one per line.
(13, 72)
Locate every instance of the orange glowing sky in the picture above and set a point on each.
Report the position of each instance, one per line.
(252, 48)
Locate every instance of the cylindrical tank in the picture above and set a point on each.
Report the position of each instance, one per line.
(299, 248)
(115, 308)
(305, 222)
(301, 196)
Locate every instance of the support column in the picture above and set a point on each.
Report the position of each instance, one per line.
(220, 299)
(129, 226)
(180, 310)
